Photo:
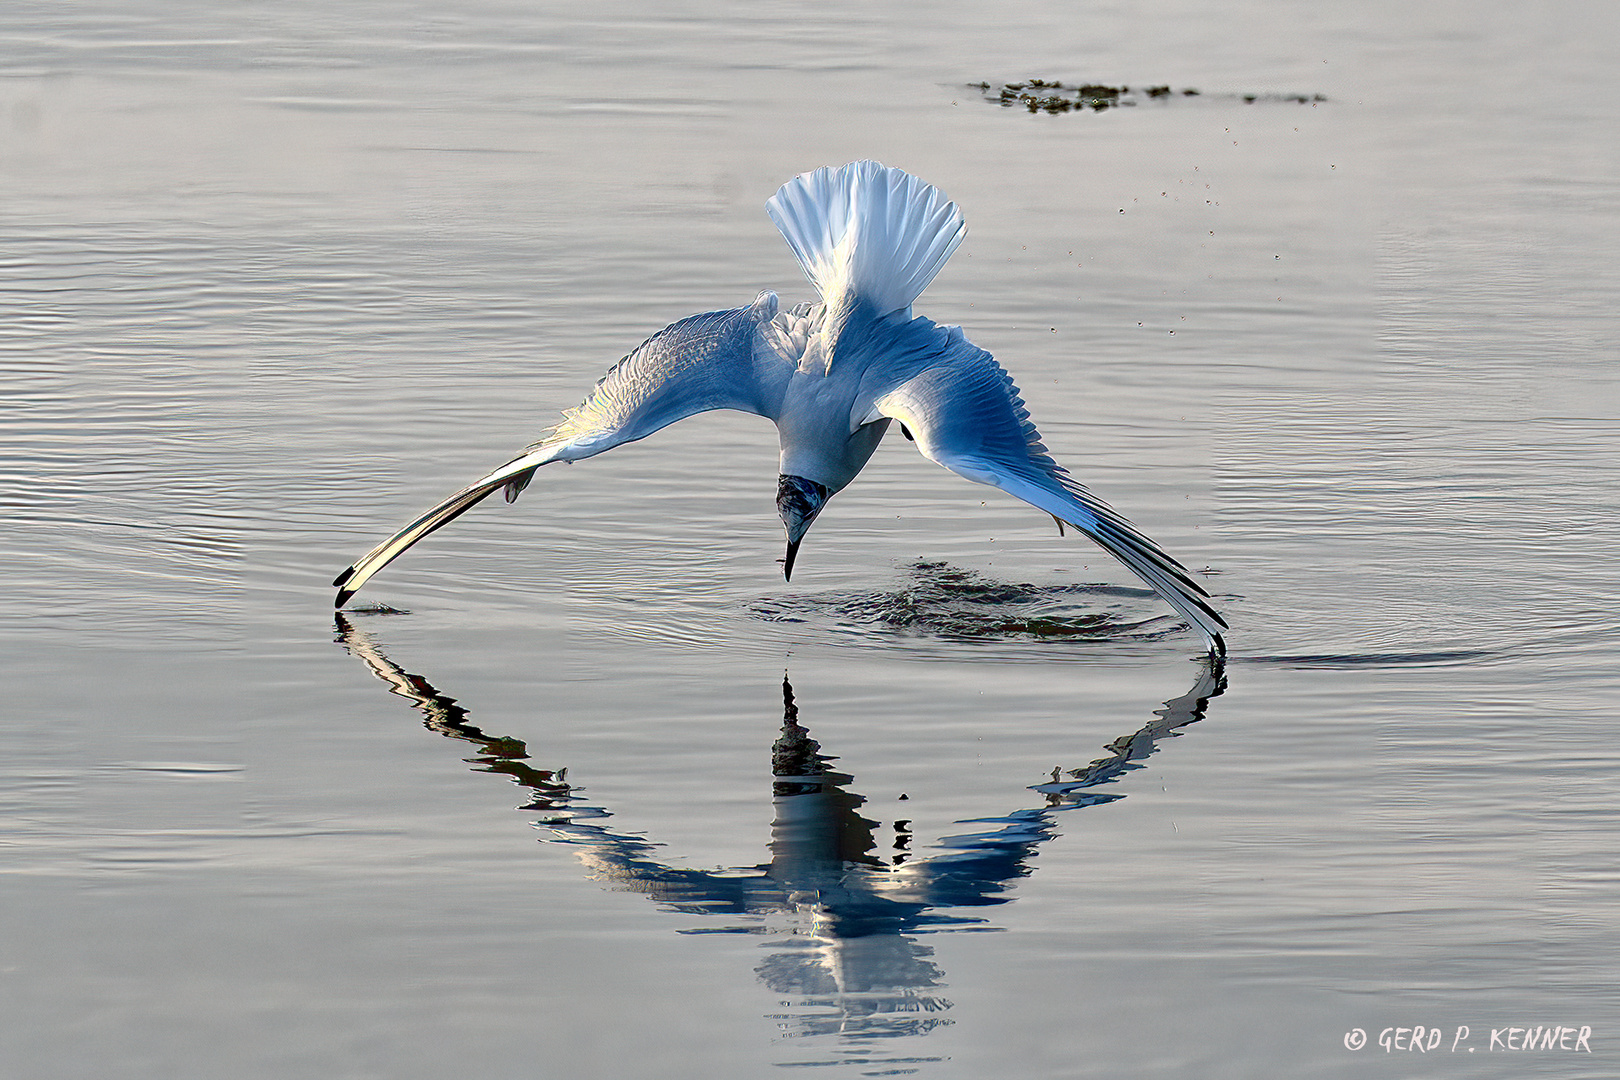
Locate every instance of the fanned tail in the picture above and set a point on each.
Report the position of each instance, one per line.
(868, 233)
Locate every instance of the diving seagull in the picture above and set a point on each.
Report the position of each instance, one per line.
(832, 376)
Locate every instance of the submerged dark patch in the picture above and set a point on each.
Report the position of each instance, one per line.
(944, 601)
(1052, 96)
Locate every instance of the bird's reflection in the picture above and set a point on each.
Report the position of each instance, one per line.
(842, 923)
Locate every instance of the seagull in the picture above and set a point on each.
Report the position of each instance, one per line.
(833, 375)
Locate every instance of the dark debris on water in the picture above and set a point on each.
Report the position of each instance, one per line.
(957, 604)
(1051, 96)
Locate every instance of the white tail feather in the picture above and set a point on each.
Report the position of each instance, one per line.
(866, 232)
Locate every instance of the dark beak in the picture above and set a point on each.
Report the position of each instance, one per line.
(798, 501)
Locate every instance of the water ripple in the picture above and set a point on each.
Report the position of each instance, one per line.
(1430, 658)
(960, 605)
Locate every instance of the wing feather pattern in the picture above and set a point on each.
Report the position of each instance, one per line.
(964, 412)
(710, 361)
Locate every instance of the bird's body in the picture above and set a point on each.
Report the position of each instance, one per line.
(832, 376)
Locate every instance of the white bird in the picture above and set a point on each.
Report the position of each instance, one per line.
(831, 376)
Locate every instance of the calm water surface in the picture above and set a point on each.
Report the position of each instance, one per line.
(581, 788)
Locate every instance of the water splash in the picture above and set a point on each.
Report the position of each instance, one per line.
(955, 604)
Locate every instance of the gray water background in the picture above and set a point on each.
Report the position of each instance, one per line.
(275, 277)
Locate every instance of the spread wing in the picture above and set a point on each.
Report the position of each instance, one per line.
(965, 413)
(716, 360)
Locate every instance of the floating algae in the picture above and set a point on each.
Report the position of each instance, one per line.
(1051, 96)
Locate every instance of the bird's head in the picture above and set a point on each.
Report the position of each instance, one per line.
(798, 501)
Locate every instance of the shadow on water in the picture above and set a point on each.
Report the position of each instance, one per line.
(842, 922)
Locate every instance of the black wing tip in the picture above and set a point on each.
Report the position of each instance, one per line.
(338, 583)
(1202, 602)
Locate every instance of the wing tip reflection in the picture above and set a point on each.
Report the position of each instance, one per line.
(842, 923)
